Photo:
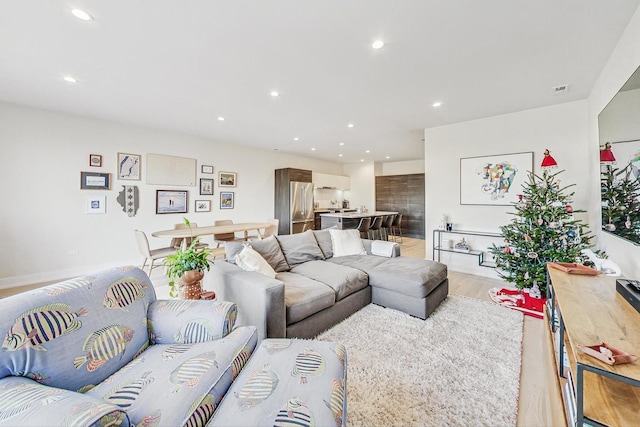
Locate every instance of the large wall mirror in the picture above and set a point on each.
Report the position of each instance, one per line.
(619, 136)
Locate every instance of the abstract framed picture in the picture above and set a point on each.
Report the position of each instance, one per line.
(206, 187)
(95, 160)
(129, 166)
(203, 206)
(207, 169)
(226, 200)
(96, 205)
(171, 201)
(227, 179)
(95, 181)
(494, 180)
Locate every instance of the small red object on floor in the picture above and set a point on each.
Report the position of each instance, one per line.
(208, 295)
(518, 300)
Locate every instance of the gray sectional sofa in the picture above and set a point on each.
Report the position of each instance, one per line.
(313, 290)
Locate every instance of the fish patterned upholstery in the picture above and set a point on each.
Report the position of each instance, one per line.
(101, 350)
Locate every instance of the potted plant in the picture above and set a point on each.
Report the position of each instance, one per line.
(186, 268)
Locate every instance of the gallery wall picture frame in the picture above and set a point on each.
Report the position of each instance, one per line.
(227, 179)
(95, 160)
(206, 187)
(207, 169)
(494, 180)
(96, 205)
(203, 206)
(227, 200)
(171, 201)
(95, 181)
(129, 166)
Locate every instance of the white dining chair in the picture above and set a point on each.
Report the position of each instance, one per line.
(177, 242)
(148, 253)
(220, 239)
(271, 230)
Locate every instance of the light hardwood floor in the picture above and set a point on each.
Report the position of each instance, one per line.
(540, 402)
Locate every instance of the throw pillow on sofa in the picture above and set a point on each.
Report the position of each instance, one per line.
(347, 242)
(300, 247)
(268, 248)
(250, 260)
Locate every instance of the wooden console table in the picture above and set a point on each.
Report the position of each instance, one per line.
(588, 310)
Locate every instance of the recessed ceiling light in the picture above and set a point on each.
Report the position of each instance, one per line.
(70, 79)
(367, 151)
(350, 125)
(275, 93)
(296, 139)
(377, 44)
(342, 143)
(221, 118)
(81, 14)
(388, 157)
(437, 104)
(362, 160)
(313, 149)
(339, 155)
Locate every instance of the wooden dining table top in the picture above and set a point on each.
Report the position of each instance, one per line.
(211, 229)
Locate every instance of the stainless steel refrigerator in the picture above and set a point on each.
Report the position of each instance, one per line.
(301, 203)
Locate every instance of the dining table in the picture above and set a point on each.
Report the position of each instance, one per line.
(209, 230)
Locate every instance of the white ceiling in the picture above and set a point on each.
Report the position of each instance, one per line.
(178, 65)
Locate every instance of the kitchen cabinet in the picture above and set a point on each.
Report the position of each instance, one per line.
(324, 180)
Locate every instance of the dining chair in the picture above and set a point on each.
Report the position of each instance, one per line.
(220, 239)
(271, 230)
(386, 226)
(148, 253)
(363, 226)
(376, 224)
(177, 242)
(396, 227)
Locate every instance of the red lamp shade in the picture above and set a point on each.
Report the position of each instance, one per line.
(548, 162)
(606, 155)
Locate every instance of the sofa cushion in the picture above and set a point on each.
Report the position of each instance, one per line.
(300, 247)
(304, 296)
(324, 241)
(346, 242)
(409, 276)
(250, 260)
(361, 262)
(342, 279)
(268, 248)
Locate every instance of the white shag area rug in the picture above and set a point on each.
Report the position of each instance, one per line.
(460, 367)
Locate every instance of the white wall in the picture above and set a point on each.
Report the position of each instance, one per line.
(560, 128)
(403, 168)
(43, 210)
(363, 184)
(623, 62)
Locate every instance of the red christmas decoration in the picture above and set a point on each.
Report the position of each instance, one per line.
(548, 162)
(606, 155)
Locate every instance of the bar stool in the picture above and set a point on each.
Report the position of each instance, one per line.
(364, 225)
(386, 226)
(375, 227)
(396, 227)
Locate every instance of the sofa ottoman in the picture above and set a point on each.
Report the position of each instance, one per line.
(288, 382)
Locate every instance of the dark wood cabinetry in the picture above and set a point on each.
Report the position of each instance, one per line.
(404, 194)
(282, 208)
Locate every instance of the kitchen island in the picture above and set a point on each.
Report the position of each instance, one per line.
(347, 220)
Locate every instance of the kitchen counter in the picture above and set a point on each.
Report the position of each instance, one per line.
(348, 220)
(333, 210)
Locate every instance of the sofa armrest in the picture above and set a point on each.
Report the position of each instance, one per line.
(25, 402)
(260, 299)
(390, 249)
(190, 321)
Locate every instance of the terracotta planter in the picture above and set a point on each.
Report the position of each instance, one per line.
(189, 284)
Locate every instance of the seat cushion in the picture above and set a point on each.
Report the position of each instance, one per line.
(268, 248)
(304, 296)
(409, 276)
(342, 279)
(300, 247)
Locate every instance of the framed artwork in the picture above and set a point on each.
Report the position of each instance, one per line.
(226, 200)
(207, 169)
(95, 160)
(129, 166)
(206, 187)
(494, 180)
(96, 205)
(203, 205)
(95, 181)
(227, 179)
(171, 201)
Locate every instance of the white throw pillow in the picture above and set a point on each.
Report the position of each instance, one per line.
(346, 242)
(250, 260)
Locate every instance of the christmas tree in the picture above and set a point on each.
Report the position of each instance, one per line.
(543, 230)
(620, 205)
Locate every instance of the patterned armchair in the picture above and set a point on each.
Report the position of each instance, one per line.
(101, 350)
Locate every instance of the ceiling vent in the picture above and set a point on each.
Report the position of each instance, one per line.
(561, 90)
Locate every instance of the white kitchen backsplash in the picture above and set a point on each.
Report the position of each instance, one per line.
(323, 197)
